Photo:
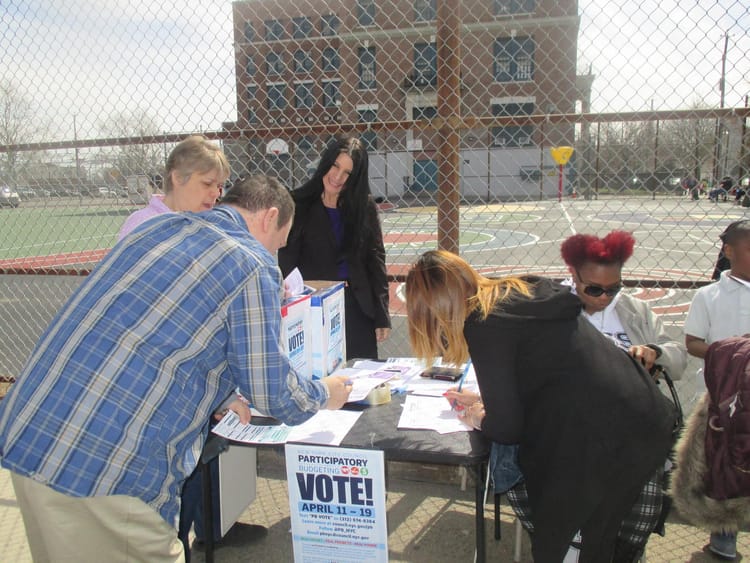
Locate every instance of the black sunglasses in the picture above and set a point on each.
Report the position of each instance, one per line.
(597, 290)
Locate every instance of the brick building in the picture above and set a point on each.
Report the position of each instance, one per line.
(303, 66)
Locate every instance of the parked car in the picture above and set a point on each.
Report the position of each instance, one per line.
(25, 192)
(104, 191)
(9, 196)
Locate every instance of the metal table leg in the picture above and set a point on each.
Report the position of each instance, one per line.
(479, 512)
(208, 511)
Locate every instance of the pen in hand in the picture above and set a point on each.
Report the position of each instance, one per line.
(467, 367)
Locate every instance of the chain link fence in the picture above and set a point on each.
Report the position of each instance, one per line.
(459, 103)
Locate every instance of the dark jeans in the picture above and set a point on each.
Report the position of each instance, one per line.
(191, 509)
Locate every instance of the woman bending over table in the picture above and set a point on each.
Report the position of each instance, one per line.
(590, 422)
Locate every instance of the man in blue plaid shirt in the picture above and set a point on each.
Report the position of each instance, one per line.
(180, 314)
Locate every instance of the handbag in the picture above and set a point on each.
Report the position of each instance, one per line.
(680, 420)
(666, 503)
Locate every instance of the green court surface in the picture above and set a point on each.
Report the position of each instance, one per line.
(44, 230)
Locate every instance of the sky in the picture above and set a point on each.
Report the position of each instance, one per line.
(667, 51)
(84, 60)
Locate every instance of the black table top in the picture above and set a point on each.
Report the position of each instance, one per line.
(377, 429)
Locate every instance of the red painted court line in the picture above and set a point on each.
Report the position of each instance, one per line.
(55, 260)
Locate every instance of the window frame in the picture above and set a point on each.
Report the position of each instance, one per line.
(304, 66)
(307, 101)
(425, 11)
(513, 7)
(513, 133)
(330, 64)
(426, 112)
(371, 83)
(426, 73)
(248, 32)
(274, 30)
(279, 67)
(251, 96)
(271, 101)
(513, 51)
(250, 64)
(331, 99)
(368, 137)
(366, 12)
(329, 25)
(302, 27)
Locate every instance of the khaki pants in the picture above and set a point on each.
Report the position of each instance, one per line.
(109, 528)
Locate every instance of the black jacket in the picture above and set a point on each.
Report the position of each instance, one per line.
(312, 248)
(591, 424)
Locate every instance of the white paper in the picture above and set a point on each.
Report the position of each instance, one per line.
(294, 284)
(326, 427)
(364, 381)
(430, 413)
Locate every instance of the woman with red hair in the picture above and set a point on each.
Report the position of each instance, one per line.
(595, 265)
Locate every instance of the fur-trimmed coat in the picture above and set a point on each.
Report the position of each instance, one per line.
(688, 486)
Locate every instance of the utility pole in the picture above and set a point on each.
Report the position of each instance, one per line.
(78, 162)
(719, 133)
(742, 146)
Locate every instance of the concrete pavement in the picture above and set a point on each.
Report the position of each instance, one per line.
(430, 519)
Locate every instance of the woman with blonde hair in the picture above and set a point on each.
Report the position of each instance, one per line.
(590, 422)
(196, 172)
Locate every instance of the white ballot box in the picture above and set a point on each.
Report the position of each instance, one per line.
(295, 333)
(328, 327)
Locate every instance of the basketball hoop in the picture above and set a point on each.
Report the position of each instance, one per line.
(277, 147)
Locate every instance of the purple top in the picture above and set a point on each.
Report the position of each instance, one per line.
(334, 214)
(155, 207)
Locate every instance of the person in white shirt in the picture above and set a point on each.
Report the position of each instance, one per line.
(718, 311)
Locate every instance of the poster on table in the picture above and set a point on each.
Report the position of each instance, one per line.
(337, 504)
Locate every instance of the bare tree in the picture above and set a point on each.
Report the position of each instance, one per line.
(689, 142)
(18, 124)
(133, 157)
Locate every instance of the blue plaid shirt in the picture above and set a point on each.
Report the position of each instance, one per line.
(178, 315)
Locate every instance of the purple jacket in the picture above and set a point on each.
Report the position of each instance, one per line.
(727, 374)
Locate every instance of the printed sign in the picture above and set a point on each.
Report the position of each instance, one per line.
(337, 504)
(328, 327)
(295, 327)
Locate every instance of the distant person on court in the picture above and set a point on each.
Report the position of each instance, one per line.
(591, 424)
(195, 175)
(337, 236)
(690, 185)
(719, 311)
(178, 315)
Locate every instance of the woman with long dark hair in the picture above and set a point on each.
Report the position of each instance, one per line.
(336, 235)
